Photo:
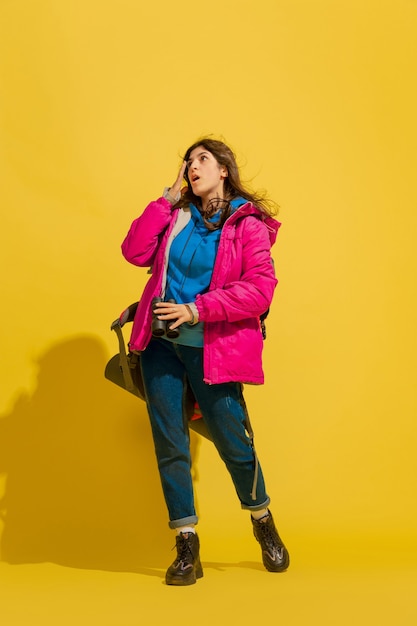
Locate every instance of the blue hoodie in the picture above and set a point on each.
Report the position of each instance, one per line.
(191, 257)
(190, 267)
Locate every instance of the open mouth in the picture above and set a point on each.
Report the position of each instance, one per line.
(194, 178)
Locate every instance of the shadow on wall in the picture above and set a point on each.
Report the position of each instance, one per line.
(82, 486)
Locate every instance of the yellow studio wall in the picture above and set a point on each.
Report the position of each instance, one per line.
(98, 102)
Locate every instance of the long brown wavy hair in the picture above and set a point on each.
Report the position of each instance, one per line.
(233, 186)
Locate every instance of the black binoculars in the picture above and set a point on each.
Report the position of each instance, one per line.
(161, 327)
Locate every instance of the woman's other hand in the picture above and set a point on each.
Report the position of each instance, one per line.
(178, 313)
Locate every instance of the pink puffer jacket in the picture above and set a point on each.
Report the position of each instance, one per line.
(241, 288)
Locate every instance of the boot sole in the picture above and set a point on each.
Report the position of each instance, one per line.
(184, 581)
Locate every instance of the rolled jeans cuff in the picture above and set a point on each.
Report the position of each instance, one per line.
(184, 521)
(256, 507)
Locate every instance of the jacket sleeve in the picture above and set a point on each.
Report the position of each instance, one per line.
(142, 240)
(249, 294)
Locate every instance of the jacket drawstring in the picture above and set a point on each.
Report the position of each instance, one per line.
(251, 435)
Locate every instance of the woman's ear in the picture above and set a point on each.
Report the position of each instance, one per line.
(223, 172)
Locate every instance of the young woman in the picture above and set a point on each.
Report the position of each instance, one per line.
(209, 248)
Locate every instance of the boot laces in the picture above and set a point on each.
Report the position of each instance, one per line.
(184, 551)
(270, 536)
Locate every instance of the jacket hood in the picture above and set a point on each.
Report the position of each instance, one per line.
(248, 208)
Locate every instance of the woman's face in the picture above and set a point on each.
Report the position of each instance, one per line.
(205, 174)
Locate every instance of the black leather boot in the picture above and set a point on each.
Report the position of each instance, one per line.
(187, 566)
(275, 555)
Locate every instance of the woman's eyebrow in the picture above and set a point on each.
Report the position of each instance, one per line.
(198, 155)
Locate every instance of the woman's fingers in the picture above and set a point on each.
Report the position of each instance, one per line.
(177, 185)
(179, 313)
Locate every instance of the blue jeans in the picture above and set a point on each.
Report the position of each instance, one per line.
(166, 369)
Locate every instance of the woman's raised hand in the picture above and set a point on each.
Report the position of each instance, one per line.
(176, 187)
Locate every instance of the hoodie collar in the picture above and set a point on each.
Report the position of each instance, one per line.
(235, 204)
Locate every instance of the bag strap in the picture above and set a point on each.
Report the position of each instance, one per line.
(127, 316)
